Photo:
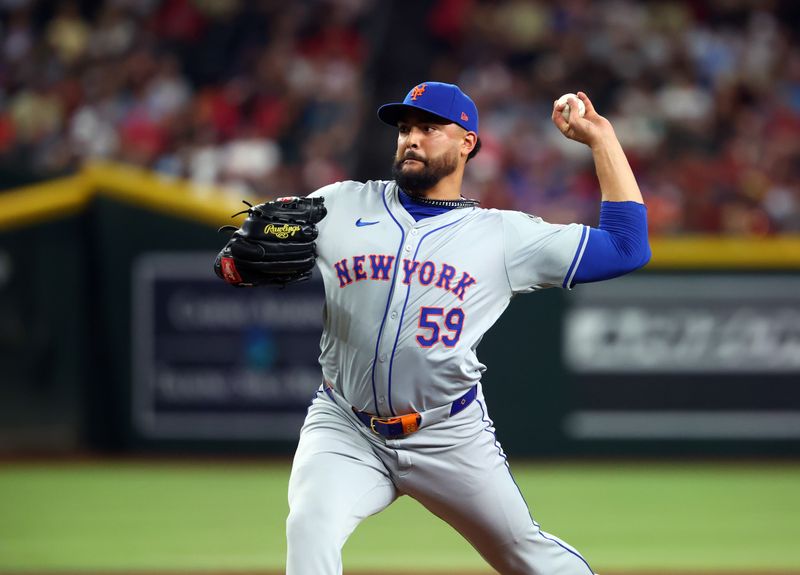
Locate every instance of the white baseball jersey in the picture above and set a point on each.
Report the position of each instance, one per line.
(408, 302)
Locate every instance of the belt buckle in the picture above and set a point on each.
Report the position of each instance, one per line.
(372, 419)
(409, 423)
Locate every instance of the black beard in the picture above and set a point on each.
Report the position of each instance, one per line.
(420, 181)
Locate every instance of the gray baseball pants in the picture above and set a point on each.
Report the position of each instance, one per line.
(343, 473)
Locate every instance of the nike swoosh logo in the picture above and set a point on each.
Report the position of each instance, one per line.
(361, 224)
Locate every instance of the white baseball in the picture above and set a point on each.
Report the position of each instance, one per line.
(565, 112)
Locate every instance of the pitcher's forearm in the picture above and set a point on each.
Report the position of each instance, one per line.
(617, 183)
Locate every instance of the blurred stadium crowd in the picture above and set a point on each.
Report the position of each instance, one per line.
(271, 96)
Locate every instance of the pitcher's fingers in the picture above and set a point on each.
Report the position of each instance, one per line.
(587, 102)
(558, 119)
(574, 108)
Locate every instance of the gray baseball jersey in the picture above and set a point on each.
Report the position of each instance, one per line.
(407, 304)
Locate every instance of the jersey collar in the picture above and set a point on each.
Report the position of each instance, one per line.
(393, 192)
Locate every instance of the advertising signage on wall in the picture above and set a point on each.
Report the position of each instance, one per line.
(690, 324)
(685, 357)
(215, 362)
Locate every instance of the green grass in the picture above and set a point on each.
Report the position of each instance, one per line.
(231, 516)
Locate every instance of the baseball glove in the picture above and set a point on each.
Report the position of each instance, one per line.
(274, 246)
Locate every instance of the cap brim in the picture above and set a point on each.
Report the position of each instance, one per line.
(391, 113)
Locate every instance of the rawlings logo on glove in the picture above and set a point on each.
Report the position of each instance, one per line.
(275, 244)
(281, 232)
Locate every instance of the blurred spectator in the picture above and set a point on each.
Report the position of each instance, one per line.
(268, 97)
(67, 33)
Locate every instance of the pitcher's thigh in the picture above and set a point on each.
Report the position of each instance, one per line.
(472, 489)
(336, 482)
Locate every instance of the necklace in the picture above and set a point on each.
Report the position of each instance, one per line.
(460, 203)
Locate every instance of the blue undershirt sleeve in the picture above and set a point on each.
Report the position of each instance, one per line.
(618, 245)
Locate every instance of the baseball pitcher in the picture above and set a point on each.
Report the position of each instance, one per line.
(414, 276)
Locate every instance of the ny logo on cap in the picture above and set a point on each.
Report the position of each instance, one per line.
(417, 91)
(464, 117)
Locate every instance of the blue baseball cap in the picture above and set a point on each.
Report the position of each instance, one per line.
(444, 100)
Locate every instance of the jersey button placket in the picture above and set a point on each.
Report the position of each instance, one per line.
(387, 343)
(409, 242)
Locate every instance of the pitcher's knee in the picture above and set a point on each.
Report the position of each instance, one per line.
(536, 553)
(306, 523)
(301, 526)
(311, 546)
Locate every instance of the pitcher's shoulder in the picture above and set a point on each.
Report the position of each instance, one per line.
(498, 221)
(490, 215)
(351, 188)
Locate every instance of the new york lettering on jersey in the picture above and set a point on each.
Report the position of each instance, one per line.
(424, 273)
